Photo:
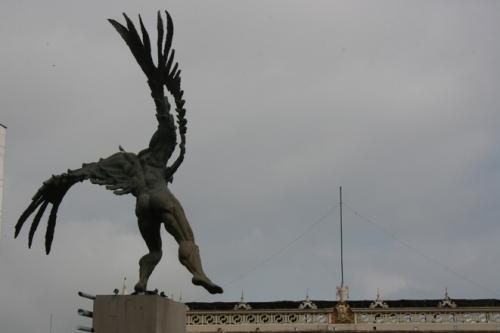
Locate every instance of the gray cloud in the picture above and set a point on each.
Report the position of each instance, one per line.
(286, 101)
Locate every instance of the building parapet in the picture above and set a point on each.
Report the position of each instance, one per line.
(483, 318)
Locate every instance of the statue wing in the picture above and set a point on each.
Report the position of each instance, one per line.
(164, 74)
(121, 173)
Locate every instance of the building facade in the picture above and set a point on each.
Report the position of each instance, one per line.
(438, 315)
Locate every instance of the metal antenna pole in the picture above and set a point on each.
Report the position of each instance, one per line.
(341, 243)
(51, 322)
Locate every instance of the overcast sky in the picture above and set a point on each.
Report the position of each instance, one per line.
(286, 101)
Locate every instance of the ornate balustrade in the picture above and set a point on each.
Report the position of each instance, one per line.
(254, 317)
(428, 316)
(434, 319)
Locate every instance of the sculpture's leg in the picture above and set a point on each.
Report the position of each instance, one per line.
(189, 253)
(189, 256)
(150, 231)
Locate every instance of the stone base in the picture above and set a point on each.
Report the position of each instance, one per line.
(138, 314)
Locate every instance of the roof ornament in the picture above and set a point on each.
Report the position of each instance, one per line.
(447, 301)
(378, 302)
(342, 313)
(307, 303)
(242, 305)
(342, 293)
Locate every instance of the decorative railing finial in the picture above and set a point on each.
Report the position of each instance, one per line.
(378, 302)
(307, 303)
(242, 305)
(447, 301)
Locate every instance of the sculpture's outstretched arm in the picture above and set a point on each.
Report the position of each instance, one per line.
(165, 73)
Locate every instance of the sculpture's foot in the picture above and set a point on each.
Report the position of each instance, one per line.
(140, 287)
(147, 292)
(207, 284)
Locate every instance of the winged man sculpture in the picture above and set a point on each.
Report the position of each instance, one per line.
(144, 175)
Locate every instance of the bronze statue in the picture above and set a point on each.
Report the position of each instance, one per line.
(145, 175)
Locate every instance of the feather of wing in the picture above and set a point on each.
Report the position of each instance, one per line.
(147, 46)
(120, 172)
(166, 69)
(51, 226)
(159, 45)
(132, 39)
(36, 222)
(168, 41)
(24, 216)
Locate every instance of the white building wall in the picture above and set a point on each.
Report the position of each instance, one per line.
(3, 132)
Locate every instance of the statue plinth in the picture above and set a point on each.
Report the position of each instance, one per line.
(138, 313)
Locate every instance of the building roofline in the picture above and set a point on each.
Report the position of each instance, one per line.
(321, 304)
(2, 125)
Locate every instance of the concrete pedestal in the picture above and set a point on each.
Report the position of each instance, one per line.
(138, 314)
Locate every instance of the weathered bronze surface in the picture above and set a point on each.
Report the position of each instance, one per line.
(144, 175)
